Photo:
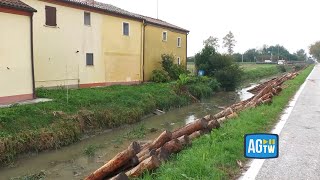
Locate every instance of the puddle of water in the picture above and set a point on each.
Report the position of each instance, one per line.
(71, 163)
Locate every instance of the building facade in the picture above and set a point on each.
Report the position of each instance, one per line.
(84, 43)
(16, 67)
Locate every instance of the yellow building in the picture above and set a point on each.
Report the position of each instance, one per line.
(16, 67)
(84, 43)
(163, 38)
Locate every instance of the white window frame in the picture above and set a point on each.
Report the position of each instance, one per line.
(179, 42)
(166, 36)
(123, 28)
(179, 61)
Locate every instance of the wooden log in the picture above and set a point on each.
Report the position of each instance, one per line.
(147, 155)
(173, 146)
(164, 137)
(267, 101)
(190, 128)
(144, 144)
(149, 164)
(223, 113)
(221, 120)
(195, 135)
(184, 140)
(115, 163)
(213, 124)
(233, 115)
(132, 163)
(162, 154)
(208, 117)
(120, 176)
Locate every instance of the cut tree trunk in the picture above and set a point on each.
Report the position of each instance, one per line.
(148, 164)
(190, 128)
(120, 176)
(233, 115)
(213, 124)
(208, 117)
(162, 154)
(147, 155)
(117, 162)
(195, 135)
(164, 137)
(173, 146)
(221, 120)
(184, 140)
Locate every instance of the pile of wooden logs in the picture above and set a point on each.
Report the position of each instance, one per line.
(141, 157)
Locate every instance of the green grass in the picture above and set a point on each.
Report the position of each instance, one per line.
(215, 156)
(54, 124)
(253, 72)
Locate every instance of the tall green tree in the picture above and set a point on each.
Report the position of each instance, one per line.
(229, 42)
(301, 55)
(211, 41)
(314, 50)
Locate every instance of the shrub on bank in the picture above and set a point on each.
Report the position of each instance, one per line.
(160, 76)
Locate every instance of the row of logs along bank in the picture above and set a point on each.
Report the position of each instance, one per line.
(141, 157)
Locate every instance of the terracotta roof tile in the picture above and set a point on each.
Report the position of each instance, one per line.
(116, 10)
(16, 4)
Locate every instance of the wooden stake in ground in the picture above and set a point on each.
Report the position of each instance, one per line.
(117, 162)
(190, 128)
(149, 164)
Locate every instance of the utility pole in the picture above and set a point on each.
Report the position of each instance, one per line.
(157, 9)
(242, 57)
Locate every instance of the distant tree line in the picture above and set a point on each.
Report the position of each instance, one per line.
(273, 53)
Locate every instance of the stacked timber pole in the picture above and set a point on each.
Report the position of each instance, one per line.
(139, 158)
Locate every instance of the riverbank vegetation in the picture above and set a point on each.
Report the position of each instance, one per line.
(63, 121)
(219, 155)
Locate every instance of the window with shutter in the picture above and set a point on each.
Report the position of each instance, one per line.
(89, 59)
(125, 29)
(51, 16)
(87, 18)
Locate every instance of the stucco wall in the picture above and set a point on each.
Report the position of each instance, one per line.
(117, 58)
(15, 56)
(122, 54)
(60, 52)
(155, 47)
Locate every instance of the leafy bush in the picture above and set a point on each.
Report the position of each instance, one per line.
(160, 76)
(174, 70)
(298, 67)
(282, 68)
(214, 84)
(200, 90)
(229, 77)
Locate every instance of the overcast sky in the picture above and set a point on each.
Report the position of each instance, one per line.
(294, 24)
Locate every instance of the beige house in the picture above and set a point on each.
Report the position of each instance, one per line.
(80, 43)
(16, 56)
(85, 43)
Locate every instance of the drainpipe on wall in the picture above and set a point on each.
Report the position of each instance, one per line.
(143, 48)
(187, 50)
(32, 57)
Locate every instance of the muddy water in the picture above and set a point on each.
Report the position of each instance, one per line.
(71, 162)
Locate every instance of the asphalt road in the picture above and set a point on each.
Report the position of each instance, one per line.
(299, 156)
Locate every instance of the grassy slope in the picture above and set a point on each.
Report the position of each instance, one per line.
(258, 71)
(214, 156)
